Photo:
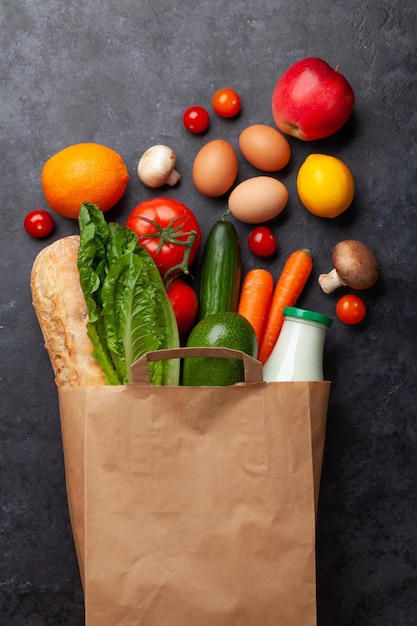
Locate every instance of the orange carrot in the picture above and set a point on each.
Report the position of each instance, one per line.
(294, 276)
(255, 298)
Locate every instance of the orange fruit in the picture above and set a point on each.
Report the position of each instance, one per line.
(325, 185)
(83, 172)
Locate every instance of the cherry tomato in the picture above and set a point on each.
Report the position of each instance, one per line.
(169, 231)
(262, 241)
(196, 119)
(226, 102)
(39, 223)
(184, 301)
(350, 309)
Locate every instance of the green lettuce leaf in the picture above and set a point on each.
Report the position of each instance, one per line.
(129, 309)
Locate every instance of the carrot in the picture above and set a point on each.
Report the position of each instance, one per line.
(294, 276)
(255, 299)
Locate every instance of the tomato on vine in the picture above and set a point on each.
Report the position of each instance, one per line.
(350, 309)
(184, 301)
(170, 233)
(262, 241)
(226, 102)
(196, 119)
(39, 223)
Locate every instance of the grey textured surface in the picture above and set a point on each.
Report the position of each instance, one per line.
(121, 73)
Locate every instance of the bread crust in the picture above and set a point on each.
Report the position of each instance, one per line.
(61, 309)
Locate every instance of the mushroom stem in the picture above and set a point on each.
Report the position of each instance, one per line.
(173, 178)
(331, 281)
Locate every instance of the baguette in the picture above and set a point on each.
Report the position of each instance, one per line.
(61, 310)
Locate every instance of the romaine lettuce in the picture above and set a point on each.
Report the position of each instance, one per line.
(129, 310)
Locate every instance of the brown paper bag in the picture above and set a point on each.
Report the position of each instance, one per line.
(195, 506)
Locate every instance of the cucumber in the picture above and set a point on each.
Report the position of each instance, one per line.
(221, 271)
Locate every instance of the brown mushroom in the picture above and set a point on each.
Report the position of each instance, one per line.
(354, 265)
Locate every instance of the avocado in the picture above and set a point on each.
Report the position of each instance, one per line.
(227, 330)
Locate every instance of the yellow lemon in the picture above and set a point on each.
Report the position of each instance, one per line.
(325, 185)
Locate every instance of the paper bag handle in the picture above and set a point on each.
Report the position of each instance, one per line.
(251, 367)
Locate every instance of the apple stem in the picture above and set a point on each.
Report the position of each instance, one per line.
(337, 68)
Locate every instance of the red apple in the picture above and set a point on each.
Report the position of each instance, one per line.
(311, 100)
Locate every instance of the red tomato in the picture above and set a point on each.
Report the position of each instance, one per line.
(262, 241)
(184, 301)
(169, 231)
(226, 102)
(350, 309)
(39, 223)
(196, 119)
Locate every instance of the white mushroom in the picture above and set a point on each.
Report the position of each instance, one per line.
(156, 167)
(354, 265)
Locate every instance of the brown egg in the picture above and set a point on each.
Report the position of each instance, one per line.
(264, 147)
(258, 199)
(215, 168)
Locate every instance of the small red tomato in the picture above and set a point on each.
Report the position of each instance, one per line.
(39, 223)
(262, 241)
(184, 301)
(226, 102)
(350, 309)
(196, 119)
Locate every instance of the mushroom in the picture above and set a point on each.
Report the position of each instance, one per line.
(156, 167)
(355, 266)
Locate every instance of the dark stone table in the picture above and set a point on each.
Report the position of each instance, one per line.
(121, 74)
